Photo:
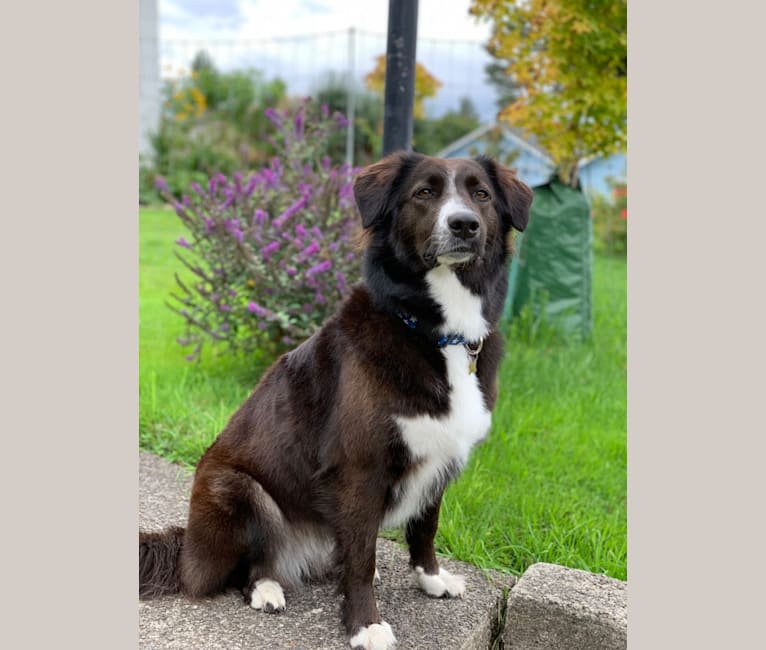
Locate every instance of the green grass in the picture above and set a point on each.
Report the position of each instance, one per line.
(549, 483)
(182, 405)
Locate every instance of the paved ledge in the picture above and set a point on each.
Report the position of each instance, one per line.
(312, 618)
(556, 608)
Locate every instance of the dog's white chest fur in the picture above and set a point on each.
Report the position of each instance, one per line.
(439, 443)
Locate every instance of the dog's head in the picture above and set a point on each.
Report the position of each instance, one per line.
(433, 211)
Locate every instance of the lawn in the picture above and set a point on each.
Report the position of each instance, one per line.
(549, 483)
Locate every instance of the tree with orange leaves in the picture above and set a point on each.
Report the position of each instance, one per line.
(569, 61)
(426, 85)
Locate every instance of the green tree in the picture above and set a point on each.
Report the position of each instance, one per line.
(212, 122)
(431, 135)
(368, 119)
(506, 87)
(569, 60)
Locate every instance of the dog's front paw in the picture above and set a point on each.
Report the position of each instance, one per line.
(377, 636)
(268, 596)
(441, 585)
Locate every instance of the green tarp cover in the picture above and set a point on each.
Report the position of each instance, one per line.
(552, 268)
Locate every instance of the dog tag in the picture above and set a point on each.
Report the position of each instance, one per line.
(473, 355)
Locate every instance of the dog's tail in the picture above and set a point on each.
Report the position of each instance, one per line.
(158, 554)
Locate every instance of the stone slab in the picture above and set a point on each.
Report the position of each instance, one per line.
(552, 607)
(312, 618)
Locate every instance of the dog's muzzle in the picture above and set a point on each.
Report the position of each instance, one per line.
(458, 241)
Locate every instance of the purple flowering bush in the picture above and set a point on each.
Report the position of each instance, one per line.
(271, 252)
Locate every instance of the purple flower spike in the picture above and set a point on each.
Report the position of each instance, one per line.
(340, 120)
(291, 271)
(311, 249)
(300, 231)
(325, 111)
(326, 265)
(183, 243)
(267, 250)
(299, 124)
(346, 195)
(251, 183)
(161, 184)
(196, 187)
(259, 217)
(319, 298)
(229, 199)
(273, 117)
(256, 309)
(280, 221)
(342, 283)
(225, 307)
(270, 179)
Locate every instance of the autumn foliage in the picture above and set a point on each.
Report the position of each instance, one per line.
(426, 85)
(569, 60)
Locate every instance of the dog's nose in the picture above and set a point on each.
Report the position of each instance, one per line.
(464, 225)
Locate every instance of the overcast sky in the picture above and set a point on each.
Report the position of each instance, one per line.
(224, 25)
(257, 18)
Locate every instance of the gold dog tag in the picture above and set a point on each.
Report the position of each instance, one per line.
(473, 355)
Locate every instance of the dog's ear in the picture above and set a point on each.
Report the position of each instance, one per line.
(376, 188)
(513, 198)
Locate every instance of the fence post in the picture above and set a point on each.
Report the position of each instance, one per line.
(351, 97)
(400, 75)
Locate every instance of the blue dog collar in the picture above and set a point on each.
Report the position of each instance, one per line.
(447, 339)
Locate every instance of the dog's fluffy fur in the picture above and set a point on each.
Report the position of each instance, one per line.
(365, 423)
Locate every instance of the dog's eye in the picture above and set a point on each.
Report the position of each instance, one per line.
(425, 193)
(481, 195)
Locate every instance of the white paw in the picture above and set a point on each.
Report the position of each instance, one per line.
(268, 596)
(377, 636)
(444, 584)
(376, 578)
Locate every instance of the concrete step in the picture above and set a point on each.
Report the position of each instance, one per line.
(552, 607)
(312, 617)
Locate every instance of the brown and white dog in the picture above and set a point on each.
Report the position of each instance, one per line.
(363, 425)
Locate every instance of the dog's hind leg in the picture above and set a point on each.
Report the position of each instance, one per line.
(229, 531)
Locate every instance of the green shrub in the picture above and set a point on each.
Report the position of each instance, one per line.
(272, 252)
(610, 220)
(213, 122)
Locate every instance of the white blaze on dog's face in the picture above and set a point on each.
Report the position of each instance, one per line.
(447, 207)
(434, 211)
(458, 225)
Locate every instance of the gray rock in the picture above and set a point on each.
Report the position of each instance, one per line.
(556, 608)
(312, 618)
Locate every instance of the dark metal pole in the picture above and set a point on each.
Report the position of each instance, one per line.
(400, 75)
